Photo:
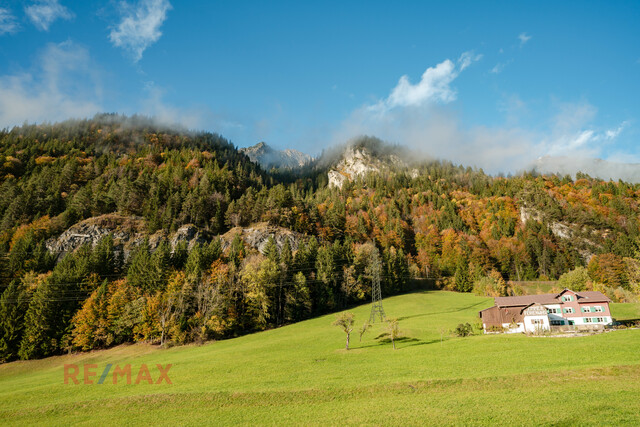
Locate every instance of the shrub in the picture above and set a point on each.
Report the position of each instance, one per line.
(576, 279)
(463, 330)
(492, 285)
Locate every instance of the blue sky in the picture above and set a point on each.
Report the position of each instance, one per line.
(489, 84)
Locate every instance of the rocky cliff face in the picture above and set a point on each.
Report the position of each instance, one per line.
(129, 232)
(258, 235)
(585, 239)
(268, 157)
(358, 161)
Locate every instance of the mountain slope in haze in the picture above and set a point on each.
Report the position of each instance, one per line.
(363, 156)
(268, 157)
(597, 168)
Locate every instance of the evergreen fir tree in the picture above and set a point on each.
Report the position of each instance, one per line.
(13, 305)
(38, 337)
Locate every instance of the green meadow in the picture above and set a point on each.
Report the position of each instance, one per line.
(301, 374)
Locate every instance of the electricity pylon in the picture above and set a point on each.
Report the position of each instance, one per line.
(376, 292)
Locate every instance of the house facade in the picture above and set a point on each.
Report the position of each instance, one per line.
(535, 313)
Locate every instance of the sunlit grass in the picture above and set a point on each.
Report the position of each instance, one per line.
(301, 374)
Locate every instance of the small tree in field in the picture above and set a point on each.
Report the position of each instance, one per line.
(365, 326)
(393, 330)
(442, 331)
(345, 321)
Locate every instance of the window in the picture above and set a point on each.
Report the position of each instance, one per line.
(586, 309)
(553, 310)
(567, 298)
(587, 320)
(598, 319)
(597, 309)
(568, 310)
(536, 321)
(557, 322)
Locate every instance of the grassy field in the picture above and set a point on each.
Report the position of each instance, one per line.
(301, 374)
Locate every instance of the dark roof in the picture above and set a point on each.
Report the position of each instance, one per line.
(525, 300)
(496, 316)
(592, 296)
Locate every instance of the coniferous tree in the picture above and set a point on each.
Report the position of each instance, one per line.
(38, 337)
(145, 272)
(13, 305)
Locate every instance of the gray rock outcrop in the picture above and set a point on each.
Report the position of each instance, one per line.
(128, 232)
(258, 235)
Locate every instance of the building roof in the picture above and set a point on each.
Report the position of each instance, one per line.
(592, 296)
(497, 316)
(525, 300)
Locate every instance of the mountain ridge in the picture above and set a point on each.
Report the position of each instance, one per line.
(78, 196)
(268, 157)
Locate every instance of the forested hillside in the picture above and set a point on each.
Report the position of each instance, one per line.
(461, 228)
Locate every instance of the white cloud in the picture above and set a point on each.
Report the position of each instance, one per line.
(195, 117)
(573, 116)
(434, 131)
(574, 134)
(497, 69)
(8, 23)
(61, 85)
(468, 58)
(417, 116)
(523, 37)
(500, 66)
(140, 26)
(612, 134)
(154, 105)
(434, 86)
(44, 12)
(578, 142)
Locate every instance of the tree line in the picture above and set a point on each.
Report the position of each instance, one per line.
(458, 226)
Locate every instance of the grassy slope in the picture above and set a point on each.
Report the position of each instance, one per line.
(302, 374)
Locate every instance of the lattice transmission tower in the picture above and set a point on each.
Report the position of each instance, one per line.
(376, 292)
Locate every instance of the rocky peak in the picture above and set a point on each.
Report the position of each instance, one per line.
(363, 157)
(268, 157)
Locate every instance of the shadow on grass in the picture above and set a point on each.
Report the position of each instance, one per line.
(407, 341)
(443, 312)
(423, 343)
(628, 322)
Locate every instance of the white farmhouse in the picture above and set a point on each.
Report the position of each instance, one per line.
(535, 313)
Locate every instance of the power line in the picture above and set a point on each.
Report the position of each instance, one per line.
(66, 295)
